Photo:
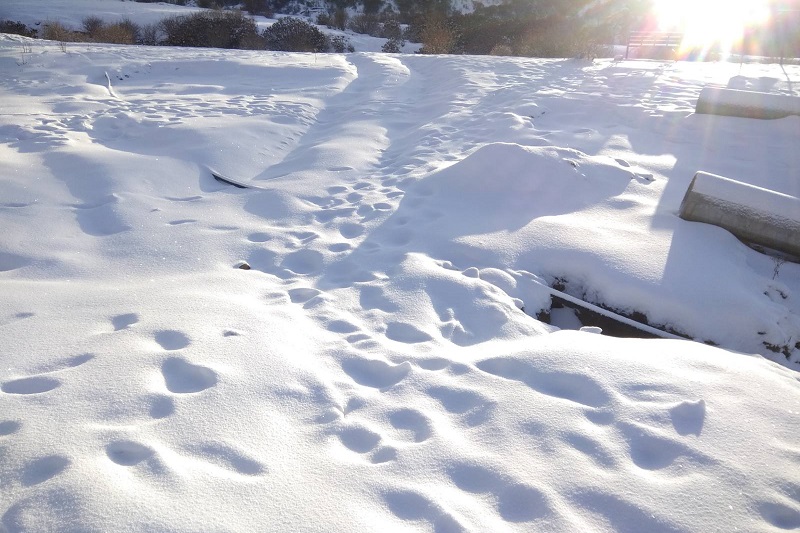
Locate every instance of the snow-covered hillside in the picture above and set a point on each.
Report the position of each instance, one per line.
(71, 13)
(373, 369)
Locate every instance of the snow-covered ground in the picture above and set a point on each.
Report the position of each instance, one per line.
(374, 370)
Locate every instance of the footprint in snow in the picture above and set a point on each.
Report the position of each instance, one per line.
(124, 321)
(651, 451)
(413, 506)
(516, 502)
(688, 417)
(406, 333)
(474, 407)
(780, 514)
(161, 406)
(183, 377)
(302, 295)
(303, 262)
(172, 340)
(364, 441)
(375, 372)
(30, 385)
(412, 424)
(351, 230)
(128, 453)
(9, 427)
(42, 469)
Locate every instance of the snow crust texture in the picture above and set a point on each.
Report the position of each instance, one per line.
(378, 366)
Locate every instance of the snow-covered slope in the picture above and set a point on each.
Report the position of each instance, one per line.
(373, 369)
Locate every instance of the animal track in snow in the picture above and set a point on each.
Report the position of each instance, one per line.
(9, 427)
(128, 453)
(413, 506)
(351, 230)
(303, 294)
(412, 423)
(183, 377)
(124, 321)
(688, 417)
(780, 514)
(473, 406)
(407, 333)
(43, 469)
(303, 262)
(172, 340)
(619, 513)
(516, 502)
(358, 438)
(30, 385)
(259, 237)
(373, 297)
(374, 372)
(340, 247)
(341, 326)
(651, 451)
(161, 406)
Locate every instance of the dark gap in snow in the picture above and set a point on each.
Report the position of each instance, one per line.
(587, 317)
(575, 313)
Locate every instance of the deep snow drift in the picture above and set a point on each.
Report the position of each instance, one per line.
(374, 369)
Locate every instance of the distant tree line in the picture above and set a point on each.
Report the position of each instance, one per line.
(534, 28)
(211, 29)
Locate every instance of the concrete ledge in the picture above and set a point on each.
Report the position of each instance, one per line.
(753, 214)
(748, 104)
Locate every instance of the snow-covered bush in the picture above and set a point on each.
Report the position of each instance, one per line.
(295, 35)
(392, 46)
(365, 24)
(340, 44)
(17, 28)
(211, 29)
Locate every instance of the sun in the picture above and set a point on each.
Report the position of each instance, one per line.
(706, 23)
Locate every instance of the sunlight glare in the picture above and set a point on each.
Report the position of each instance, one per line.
(705, 22)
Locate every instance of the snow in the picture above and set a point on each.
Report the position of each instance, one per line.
(374, 369)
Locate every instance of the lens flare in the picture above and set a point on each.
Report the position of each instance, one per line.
(709, 23)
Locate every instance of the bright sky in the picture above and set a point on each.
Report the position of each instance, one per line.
(707, 21)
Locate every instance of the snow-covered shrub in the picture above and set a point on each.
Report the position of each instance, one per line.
(392, 46)
(210, 29)
(340, 44)
(365, 24)
(391, 29)
(291, 34)
(17, 28)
